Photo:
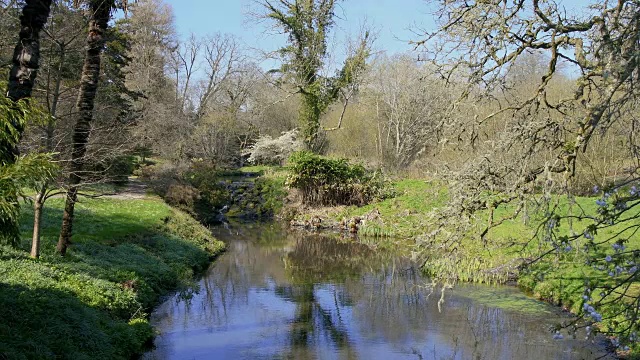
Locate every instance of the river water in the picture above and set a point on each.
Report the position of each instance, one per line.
(280, 295)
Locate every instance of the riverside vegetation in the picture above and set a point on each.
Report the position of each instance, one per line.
(515, 251)
(93, 303)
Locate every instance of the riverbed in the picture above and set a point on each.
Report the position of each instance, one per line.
(285, 295)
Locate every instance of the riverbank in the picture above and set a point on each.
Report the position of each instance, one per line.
(93, 303)
(507, 253)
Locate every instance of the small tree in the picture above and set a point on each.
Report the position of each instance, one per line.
(22, 172)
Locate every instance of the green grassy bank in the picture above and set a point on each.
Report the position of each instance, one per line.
(93, 303)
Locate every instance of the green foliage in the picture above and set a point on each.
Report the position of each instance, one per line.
(18, 173)
(120, 168)
(273, 192)
(205, 177)
(324, 181)
(92, 304)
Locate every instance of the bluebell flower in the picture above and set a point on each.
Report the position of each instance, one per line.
(621, 205)
(618, 247)
(633, 191)
(588, 235)
(615, 342)
(633, 270)
(608, 258)
(601, 203)
(557, 336)
(596, 189)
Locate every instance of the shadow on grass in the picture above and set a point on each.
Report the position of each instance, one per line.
(42, 323)
(128, 247)
(92, 303)
(97, 220)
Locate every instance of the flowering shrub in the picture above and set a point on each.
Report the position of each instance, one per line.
(270, 151)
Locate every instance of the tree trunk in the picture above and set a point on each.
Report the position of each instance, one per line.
(37, 217)
(25, 63)
(26, 55)
(100, 14)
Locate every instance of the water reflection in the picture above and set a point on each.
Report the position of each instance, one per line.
(287, 296)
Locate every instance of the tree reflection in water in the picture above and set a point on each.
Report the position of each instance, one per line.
(284, 295)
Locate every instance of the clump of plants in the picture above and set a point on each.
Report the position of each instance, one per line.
(326, 182)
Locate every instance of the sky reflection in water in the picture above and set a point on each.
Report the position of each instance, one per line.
(277, 295)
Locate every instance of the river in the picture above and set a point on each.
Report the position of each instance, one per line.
(281, 295)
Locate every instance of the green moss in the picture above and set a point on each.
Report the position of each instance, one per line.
(92, 304)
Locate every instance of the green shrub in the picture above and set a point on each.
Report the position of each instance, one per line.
(324, 181)
(204, 176)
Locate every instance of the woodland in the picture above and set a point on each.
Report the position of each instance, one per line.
(519, 116)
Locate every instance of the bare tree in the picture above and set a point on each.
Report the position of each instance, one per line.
(62, 36)
(222, 55)
(410, 105)
(186, 62)
(543, 135)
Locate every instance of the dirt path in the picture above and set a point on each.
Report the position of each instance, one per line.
(135, 189)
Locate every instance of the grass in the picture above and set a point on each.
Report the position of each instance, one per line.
(92, 304)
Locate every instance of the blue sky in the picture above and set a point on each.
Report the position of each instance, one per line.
(390, 20)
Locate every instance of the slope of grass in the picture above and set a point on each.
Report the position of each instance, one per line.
(92, 304)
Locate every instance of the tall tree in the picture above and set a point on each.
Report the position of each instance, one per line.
(25, 63)
(151, 33)
(100, 11)
(307, 23)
